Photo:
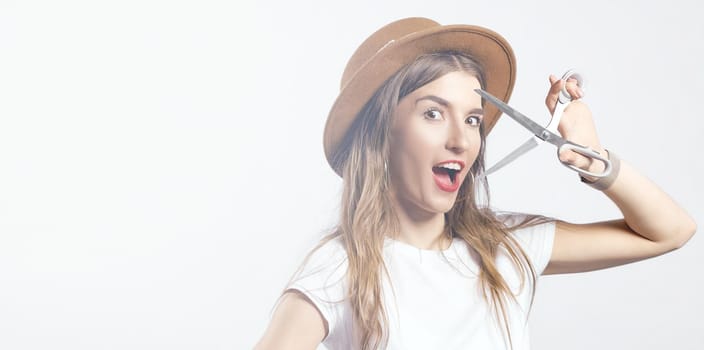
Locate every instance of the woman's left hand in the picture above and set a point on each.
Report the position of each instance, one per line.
(653, 223)
(576, 125)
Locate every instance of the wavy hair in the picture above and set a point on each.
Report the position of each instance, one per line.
(367, 215)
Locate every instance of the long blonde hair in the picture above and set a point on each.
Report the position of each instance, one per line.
(367, 216)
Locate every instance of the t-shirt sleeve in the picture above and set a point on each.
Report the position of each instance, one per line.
(322, 279)
(536, 240)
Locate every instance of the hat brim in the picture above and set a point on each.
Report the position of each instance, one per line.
(490, 49)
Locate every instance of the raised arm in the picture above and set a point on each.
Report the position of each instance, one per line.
(296, 324)
(652, 224)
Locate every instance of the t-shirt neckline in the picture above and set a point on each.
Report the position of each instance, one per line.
(407, 247)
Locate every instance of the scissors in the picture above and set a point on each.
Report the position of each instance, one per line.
(542, 134)
(563, 100)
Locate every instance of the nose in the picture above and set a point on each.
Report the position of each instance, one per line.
(458, 136)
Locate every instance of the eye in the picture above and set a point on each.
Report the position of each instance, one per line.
(433, 114)
(474, 120)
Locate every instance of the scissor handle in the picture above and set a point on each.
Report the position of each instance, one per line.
(587, 152)
(564, 96)
(563, 99)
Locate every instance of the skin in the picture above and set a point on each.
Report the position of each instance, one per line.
(437, 122)
(652, 224)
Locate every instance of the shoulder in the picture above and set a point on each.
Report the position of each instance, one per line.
(324, 260)
(522, 226)
(321, 280)
(535, 234)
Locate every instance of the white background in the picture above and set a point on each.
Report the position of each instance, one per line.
(162, 172)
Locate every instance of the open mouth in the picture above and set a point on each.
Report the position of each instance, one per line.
(446, 173)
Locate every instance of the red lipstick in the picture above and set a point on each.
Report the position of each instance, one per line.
(446, 175)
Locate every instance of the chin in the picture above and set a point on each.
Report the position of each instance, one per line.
(442, 205)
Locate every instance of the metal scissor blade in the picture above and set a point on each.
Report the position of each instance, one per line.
(522, 149)
(527, 123)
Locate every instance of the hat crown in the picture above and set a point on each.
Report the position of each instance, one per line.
(381, 39)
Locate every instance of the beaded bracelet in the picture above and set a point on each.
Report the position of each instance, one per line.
(604, 183)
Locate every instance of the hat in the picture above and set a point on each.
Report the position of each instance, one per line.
(399, 43)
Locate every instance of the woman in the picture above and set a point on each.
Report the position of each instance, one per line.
(417, 261)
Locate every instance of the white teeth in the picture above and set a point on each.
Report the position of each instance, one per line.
(452, 166)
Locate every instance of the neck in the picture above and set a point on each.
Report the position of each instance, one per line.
(421, 229)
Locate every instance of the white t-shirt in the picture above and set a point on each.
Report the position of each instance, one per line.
(433, 300)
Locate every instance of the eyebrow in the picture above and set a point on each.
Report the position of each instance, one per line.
(441, 101)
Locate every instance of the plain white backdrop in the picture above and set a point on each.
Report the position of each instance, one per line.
(162, 172)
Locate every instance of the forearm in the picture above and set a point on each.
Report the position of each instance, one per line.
(648, 210)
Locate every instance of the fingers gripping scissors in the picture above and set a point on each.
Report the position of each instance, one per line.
(563, 100)
(545, 134)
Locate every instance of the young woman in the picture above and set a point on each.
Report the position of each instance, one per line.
(417, 260)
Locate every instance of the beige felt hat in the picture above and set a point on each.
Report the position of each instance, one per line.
(399, 43)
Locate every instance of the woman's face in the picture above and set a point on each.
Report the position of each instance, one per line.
(434, 141)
